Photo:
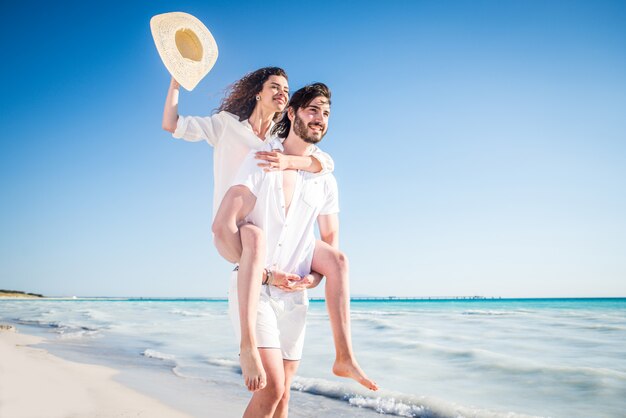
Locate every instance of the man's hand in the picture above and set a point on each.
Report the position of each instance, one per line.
(292, 282)
(283, 280)
(273, 160)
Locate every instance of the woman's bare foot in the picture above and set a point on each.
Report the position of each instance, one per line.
(252, 369)
(351, 369)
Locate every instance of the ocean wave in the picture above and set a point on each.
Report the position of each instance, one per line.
(604, 328)
(360, 313)
(380, 313)
(377, 323)
(394, 403)
(227, 363)
(197, 314)
(390, 406)
(38, 323)
(590, 378)
(64, 330)
(93, 314)
(493, 312)
(149, 353)
(72, 333)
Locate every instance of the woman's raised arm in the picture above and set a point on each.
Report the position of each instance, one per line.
(170, 110)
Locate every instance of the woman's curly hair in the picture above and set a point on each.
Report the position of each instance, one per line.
(240, 97)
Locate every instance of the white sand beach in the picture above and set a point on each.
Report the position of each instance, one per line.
(35, 384)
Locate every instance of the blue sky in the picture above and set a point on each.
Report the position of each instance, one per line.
(480, 146)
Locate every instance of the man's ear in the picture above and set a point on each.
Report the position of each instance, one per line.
(290, 113)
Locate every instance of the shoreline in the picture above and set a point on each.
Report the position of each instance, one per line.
(86, 388)
(34, 382)
(38, 380)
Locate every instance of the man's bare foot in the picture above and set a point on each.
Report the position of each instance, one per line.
(352, 370)
(252, 369)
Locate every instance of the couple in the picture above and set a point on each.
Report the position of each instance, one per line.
(265, 223)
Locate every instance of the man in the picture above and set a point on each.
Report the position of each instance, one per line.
(284, 206)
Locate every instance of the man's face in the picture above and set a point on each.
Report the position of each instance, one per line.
(311, 122)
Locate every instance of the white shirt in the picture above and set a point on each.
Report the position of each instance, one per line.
(290, 239)
(233, 140)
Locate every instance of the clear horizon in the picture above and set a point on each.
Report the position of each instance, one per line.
(353, 297)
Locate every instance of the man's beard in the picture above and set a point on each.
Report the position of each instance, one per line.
(300, 129)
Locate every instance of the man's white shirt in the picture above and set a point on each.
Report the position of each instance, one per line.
(290, 238)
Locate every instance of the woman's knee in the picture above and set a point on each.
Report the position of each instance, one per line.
(225, 241)
(252, 237)
(340, 259)
(328, 260)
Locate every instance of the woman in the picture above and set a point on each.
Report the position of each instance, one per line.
(243, 122)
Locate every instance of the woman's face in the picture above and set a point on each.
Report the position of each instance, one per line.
(275, 93)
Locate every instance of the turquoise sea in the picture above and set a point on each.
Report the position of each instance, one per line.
(432, 358)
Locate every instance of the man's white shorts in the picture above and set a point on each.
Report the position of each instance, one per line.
(281, 318)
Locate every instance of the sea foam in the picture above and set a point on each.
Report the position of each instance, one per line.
(394, 403)
(149, 353)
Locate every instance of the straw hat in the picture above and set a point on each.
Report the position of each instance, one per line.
(185, 45)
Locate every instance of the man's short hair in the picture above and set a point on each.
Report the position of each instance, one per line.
(301, 98)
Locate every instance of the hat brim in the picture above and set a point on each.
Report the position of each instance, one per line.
(188, 72)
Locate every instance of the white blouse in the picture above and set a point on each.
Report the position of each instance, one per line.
(232, 140)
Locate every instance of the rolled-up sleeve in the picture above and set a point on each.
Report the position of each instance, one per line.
(196, 128)
(328, 165)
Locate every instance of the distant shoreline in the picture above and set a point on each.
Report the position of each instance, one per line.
(18, 294)
(21, 295)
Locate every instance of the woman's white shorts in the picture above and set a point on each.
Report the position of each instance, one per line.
(281, 318)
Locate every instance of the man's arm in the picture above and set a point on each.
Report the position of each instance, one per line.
(329, 229)
(329, 233)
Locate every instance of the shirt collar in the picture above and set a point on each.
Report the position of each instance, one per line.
(268, 134)
(276, 143)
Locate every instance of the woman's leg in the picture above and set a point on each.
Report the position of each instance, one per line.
(243, 244)
(249, 278)
(236, 204)
(333, 264)
(264, 402)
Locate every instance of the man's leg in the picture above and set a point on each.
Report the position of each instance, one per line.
(264, 402)
(290, 367)
(333, 264)
(245, 244)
